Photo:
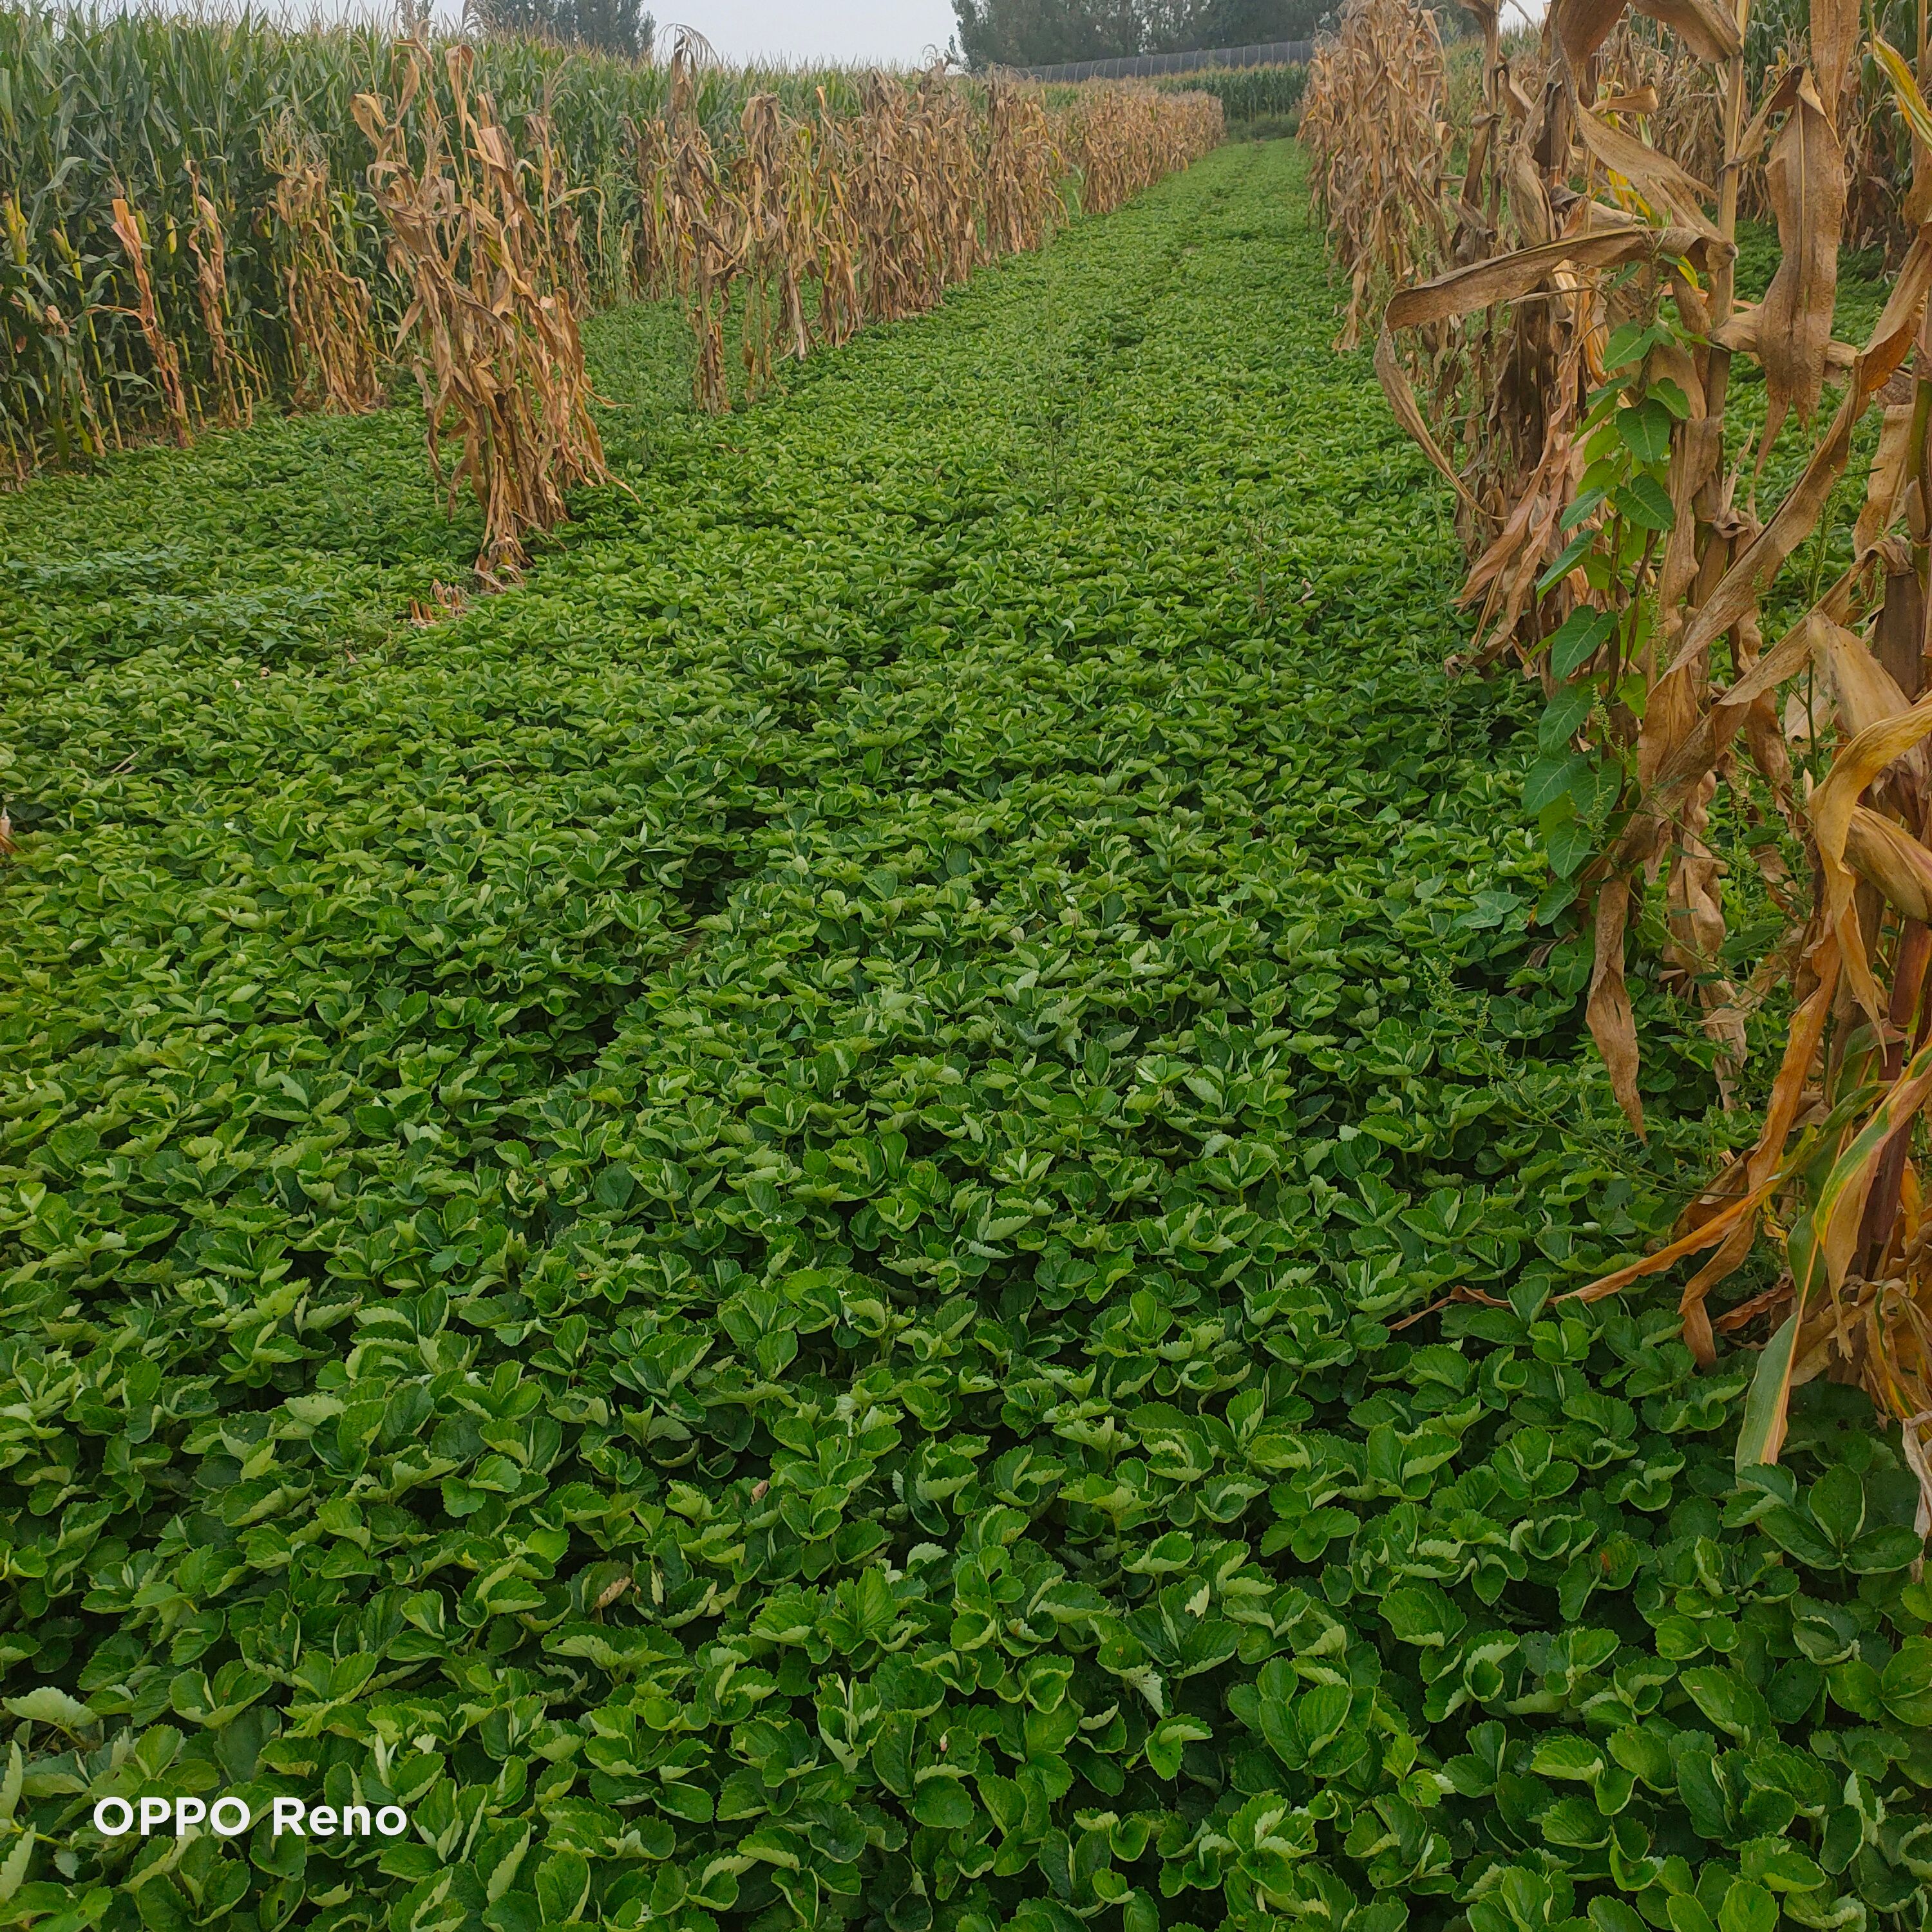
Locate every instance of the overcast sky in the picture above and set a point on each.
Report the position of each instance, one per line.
(895, 31)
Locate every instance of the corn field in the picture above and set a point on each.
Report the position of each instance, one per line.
(1723, 589)
(204, 218)
(235, 147)
(1246, 93)
(498, 358)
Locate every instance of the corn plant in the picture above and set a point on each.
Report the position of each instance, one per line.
(492, 327)
(1372, 124)
(881, 209)
(1124, 136)
(1246, 94)
(239, 137)
(1628, 565)
(805, 204)
(328, 313)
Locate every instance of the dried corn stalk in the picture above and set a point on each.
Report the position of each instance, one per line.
(166, 357)
(784, 226)
(1125, 136)
(816, 190)
(331, 336)
(237, 381)
(1372, 121)
(1023, 167)
(895, 206)
(1615, 549)
(701, 231)
(813, 227)
(494, 334)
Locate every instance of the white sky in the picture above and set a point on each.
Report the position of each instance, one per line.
(899, 31)
(894, 33)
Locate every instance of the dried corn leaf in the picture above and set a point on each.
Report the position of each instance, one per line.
(1763, 1165)
(1706, 1236)
(1402, 400)
(1508, 278)
(1656, 176)
(1699, 753)
(1740, 334)
(1613, 1024)
(1885, 487)
(1835, 50)
(1699, 454)
(1866, 693)
(1805, 180)
(1707, 28)
(1750, 143)
(1885, 855)
(1735, 594)
(1529, 200)
(165, 357)
(1860, 761)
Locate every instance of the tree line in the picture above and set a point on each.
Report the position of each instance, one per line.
(1038, 33)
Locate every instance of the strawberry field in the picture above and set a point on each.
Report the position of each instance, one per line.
(856, 1214)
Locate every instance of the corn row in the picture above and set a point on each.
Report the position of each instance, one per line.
(1550, 269)
(187, 229)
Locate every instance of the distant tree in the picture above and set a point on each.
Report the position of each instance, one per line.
(1243, 23)
(1038, 33)
(609, 26)
(1041, 33)
(612, 26)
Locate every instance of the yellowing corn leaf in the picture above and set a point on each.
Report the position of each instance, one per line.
(1661, 181)
(1707, 28)
(1762, 1435)
(1912, 105)
(1613, 1024)
(1832, 805)
(1881, 850)
(1823, 1242)
(1736, 592)
(1917, 117)
(166, 358)
(1805, 179)
(1834, 46)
